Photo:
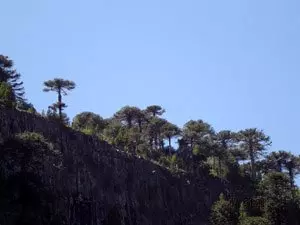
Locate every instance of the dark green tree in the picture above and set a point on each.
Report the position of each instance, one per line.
(52, 114)
(225, 141)
(277, 193)
(169, 131)
(89, 122)
(254, 142)
(141, 119)
(194, 131)
(10, 76)
(292, 164)
(224, 212)
(154, 110)
(26, 106)
(128, 115)
(155, 132)
(275, 161)
(246, 219)
(282, 161)
(116, 134)
(60, 86)
(7, 96)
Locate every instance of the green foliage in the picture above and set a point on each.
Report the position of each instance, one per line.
(154, 110)
(54, 116)
(143, 150)
(89, 123)
(7, 96)
(165, 161)
(25, 106)
(155, 131)
(282, 161)
(169, 131)
(25, 194)
(144, 132)
(242, 212)
(10, 76)
(129, 115)
(277, 193)
(245, 219)
(200, 153)
(60, 86)
(37, 147)
(174, 159)
(254, 220)
(31, 137)
(196, 150)
(195, 130)
(254, 142)
(224, 212)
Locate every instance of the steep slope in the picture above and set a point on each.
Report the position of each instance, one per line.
(101, 185)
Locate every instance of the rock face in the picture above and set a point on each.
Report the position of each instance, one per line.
(99, 185)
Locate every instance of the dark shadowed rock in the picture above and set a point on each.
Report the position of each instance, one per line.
(100, 185)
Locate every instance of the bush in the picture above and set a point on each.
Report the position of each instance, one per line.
(224, 212)
(143, 150)
(165, 161)
(255, 220)
(7, 96)
(25, 192)
(25, 106)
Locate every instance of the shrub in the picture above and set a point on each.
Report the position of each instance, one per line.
(7, 96)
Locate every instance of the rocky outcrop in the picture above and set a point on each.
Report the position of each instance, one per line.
(100, 185)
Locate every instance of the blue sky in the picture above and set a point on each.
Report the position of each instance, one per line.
(233, 63)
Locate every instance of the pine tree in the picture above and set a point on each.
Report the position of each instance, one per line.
(10, 76)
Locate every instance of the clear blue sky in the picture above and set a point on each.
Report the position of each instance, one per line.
(233, 63)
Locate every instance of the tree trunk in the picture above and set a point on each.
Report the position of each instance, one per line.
(162, 146)
(169, 144)
(140, 126)
(192, 144)
(214, 162)
(253, 173)
(59, 104)
(151, 142)
(129, 121)
(252, 160)
(161, 142)
(279, 166)
(220, 166)
(291, 177)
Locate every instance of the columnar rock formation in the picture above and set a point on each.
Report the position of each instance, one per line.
(99, 185)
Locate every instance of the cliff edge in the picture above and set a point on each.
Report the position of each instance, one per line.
(100, 185)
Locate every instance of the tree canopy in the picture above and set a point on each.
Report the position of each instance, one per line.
(262, 182)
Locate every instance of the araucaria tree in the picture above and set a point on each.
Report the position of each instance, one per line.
(9, 76)
(60, 86)
(254, 142)
(261, 191)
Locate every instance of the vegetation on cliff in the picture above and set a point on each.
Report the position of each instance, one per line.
(25, 198)
(262, 181)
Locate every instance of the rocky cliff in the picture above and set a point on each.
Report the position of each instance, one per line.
(100, 185)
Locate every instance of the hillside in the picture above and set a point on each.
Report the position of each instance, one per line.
(134, 167)
(99, 185)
